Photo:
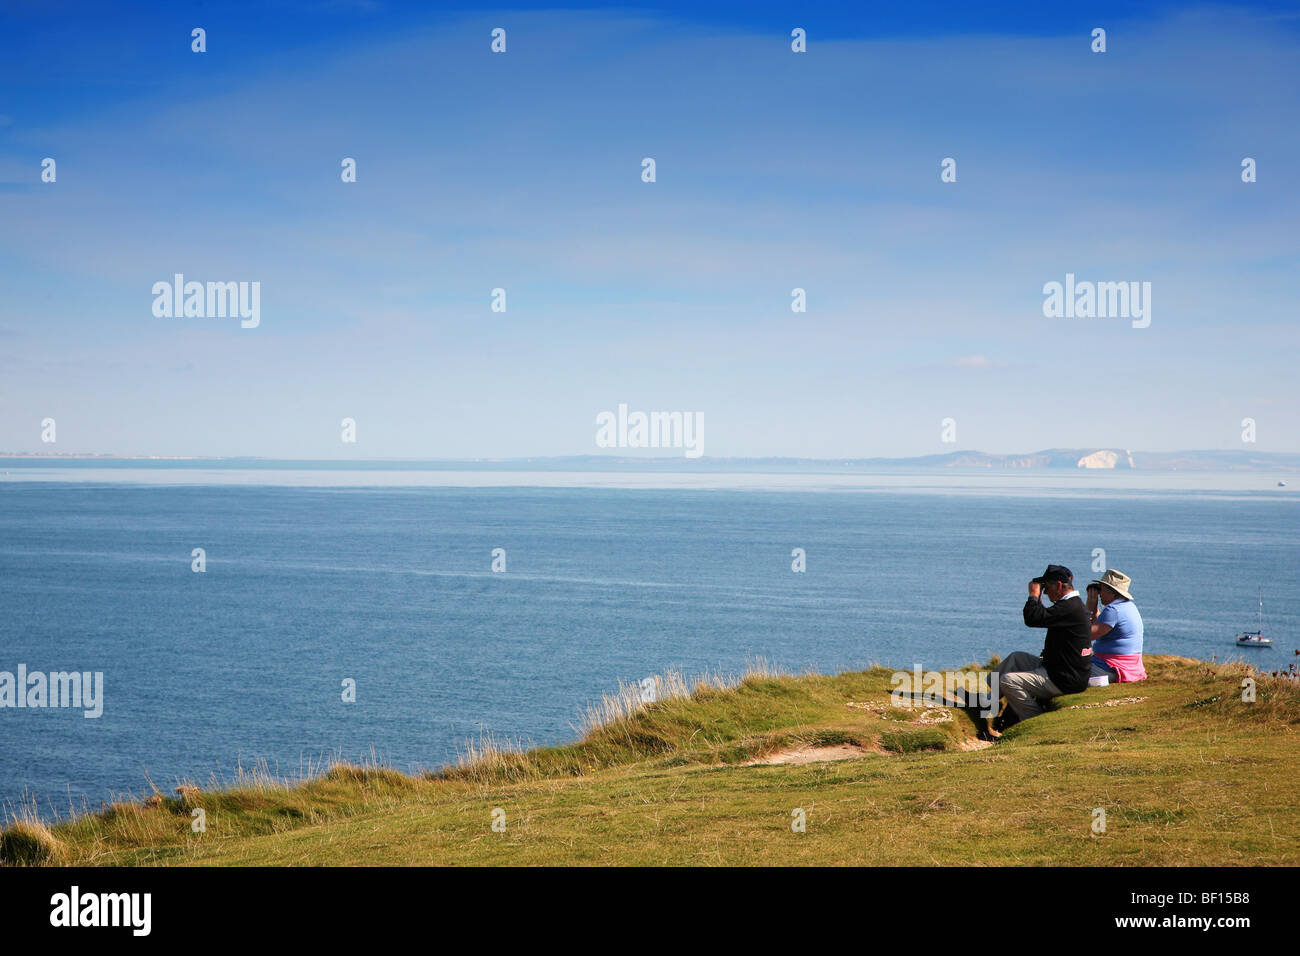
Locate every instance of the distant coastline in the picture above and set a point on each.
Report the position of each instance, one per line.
(1069, 459)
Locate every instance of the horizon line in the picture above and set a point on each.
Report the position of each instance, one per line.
(1087, 449)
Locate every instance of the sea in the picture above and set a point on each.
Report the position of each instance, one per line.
(452, 601)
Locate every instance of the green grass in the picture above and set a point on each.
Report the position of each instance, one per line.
(1189, 776)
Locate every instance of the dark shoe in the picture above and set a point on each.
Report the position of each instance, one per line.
(1005, 721)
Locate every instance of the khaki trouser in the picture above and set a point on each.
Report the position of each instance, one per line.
(1024, 682)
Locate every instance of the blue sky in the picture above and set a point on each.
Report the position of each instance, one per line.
(775, 170)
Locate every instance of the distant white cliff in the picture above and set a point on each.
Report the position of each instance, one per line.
(1105, 459)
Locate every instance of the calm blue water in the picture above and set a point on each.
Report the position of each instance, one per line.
(306, 586)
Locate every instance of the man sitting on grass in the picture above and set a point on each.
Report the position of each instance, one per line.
(1064, 665)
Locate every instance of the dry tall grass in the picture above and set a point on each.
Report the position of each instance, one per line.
(603, 726)
(26, 841)
(632, 699)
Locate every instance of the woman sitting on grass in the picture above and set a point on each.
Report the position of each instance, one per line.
(1116, 631)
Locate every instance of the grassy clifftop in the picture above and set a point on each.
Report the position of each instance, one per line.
(1185, 772)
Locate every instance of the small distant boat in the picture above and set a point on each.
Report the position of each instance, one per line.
(1281, 484)
(1256, 638)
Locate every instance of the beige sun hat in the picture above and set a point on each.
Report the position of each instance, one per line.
(1117, 581)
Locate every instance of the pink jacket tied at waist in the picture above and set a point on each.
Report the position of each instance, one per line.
(1127, 666)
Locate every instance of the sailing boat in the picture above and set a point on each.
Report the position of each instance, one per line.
(1256, 638)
